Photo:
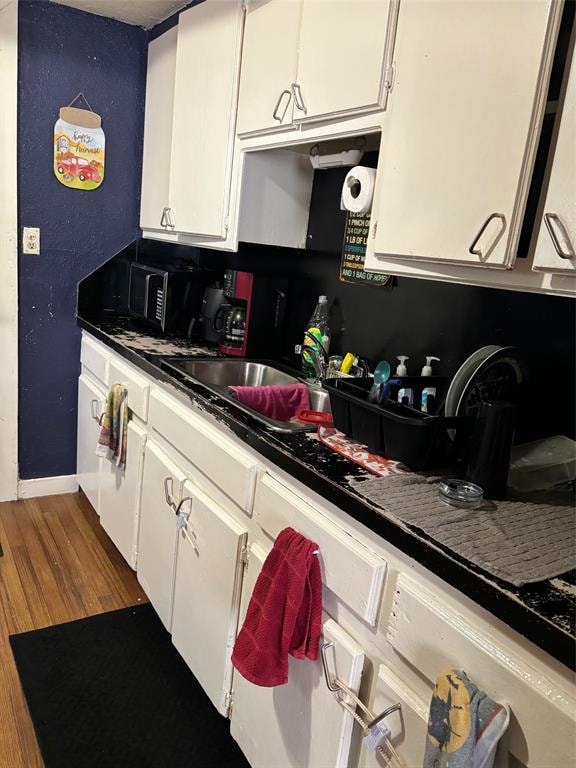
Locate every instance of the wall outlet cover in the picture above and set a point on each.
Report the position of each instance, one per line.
(31, 241)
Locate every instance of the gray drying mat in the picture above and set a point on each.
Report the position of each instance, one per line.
(519, 542)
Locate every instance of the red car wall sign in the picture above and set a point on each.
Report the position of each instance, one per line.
(79, 149)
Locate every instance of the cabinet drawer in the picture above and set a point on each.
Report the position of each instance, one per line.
(433, 637)
(138, 387)
(233, 470)
(95, 357)
(350, 571)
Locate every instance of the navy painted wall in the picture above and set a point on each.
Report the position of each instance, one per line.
(63, 51)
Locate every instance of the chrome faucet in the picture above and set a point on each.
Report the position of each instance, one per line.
(318, 356)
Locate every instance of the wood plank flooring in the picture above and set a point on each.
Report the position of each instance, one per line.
(58, 565)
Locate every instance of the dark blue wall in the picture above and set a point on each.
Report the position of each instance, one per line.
(63, 51)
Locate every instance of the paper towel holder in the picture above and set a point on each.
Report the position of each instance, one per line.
(349, 157)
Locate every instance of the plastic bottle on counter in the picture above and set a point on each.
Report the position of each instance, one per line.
(405, 394)
(428, 393)
(317, 333)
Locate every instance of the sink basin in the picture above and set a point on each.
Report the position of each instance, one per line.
(218, 375)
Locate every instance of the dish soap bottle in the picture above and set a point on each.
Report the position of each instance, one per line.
(317, 329)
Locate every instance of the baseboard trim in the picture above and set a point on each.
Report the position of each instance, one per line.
(47, 486)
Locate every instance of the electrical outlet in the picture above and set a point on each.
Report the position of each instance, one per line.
(31, 241)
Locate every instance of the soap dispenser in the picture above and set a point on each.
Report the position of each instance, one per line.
(405, 394)
(401, 369)
(428, 393)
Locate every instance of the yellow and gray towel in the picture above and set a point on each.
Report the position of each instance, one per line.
(114, 426)
(465, 725)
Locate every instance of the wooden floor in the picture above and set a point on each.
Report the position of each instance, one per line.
(58, 566)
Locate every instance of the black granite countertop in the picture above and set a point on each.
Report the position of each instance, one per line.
(544, 612)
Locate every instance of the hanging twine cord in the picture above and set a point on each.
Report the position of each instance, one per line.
(80, 95)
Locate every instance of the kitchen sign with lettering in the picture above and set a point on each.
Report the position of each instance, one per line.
(79, 148)
(354, 251)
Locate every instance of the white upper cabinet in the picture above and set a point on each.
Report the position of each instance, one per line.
(269, 65)
(302, 61)
(204, 119)
(158, 131)
(461, 128)
(556, 246)
(341, 63)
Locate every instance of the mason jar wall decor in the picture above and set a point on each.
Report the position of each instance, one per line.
(79, 147)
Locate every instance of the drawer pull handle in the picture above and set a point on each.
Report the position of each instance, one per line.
(169, 493)
(478, 251)
(275, 113)
(554, 222)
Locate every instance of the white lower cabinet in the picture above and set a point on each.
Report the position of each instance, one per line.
(161, 492)
(300, 723)
(207, 592)
(91, 401)
(120, 495)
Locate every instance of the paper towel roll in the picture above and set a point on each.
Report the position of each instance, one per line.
(358, 189)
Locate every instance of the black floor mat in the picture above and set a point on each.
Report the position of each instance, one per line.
(111, 691)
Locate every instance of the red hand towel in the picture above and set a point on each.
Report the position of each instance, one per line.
(280, 402)
(285, 612)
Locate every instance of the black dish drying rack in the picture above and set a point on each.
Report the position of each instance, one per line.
(397, 431)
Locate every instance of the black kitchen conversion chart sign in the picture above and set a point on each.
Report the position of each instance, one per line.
(354, 251)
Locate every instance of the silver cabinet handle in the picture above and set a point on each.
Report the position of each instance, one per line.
(331, 682)
(477, 251)
(169, 493)
(553, 223)
(163, 218)
(94, 404)
(184, 514)
(275, 114)
(298, 100)
(169, 218)
(385, 713)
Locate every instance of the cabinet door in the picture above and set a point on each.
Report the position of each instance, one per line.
(461, 129)
(91, 401)
(300, 723)
(207, 593)
(205, 96)
(341, 59)
(157, 531)
(120, 495)
(556, 246)
(269, 64)
(158, 131)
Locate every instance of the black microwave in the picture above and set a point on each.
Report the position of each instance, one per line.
(167, 298)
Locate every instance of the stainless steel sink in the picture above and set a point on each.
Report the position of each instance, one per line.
(218, 375)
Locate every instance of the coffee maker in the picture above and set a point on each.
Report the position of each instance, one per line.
(251, 321)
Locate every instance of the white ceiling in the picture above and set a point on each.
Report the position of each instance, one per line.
(143, 13)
